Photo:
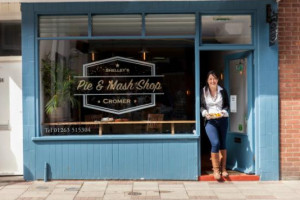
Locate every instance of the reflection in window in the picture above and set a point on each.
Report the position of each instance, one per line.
(226, 29)
(60, 26)
(115, 25)
(170, 24)
(121, 83)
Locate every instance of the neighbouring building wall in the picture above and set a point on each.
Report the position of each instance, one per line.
(10, 11)
(11, 128)
(289, 88)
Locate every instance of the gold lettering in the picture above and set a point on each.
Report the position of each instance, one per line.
(84, 85)
(100, 85)
(145, 85)
(112, 85)
(116, 85)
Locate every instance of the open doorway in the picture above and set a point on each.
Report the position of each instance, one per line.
(234, 69)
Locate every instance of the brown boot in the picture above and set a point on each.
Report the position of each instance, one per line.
(216, 165)
(223, 162)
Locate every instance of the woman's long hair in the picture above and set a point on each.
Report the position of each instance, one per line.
(213, 73)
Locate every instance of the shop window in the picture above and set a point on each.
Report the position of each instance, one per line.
(117, 25)
(92, 87)
(10, 38)
(62, 26)
(170, 24)
(226, 29)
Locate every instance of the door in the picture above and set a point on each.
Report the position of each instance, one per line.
(240, 137)
(11, 124)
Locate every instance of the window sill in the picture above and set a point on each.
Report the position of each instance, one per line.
(114, 137)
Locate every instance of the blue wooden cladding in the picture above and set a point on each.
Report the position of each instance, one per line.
(142, 156)
(118, 159)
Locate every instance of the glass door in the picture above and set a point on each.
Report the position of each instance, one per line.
(240, 138)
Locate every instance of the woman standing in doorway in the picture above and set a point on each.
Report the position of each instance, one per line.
(214, 107)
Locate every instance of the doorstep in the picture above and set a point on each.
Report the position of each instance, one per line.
(233, 176)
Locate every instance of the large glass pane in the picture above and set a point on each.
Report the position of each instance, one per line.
(60, 26)
(115, 25)
(226, 29)
(117, 86)
(170, 24)
(10, 38)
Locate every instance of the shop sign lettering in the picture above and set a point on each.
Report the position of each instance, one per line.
(86, 85)
(118, 85)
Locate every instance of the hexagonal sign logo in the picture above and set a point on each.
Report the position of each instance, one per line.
(118, 85)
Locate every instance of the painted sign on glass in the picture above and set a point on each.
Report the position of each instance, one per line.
(118, 85)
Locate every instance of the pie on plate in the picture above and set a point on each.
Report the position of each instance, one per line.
(215, 115)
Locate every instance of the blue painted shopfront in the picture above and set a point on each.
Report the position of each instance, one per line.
(149, 156)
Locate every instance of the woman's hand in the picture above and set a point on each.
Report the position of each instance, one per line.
(207, 116)
(224, 113)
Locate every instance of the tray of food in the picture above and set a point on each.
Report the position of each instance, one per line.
(215, 115)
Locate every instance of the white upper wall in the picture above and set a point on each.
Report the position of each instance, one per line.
(10, 11)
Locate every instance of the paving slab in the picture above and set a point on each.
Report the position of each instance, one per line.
(204, 192)
(230, 196)
(13, 193)
(113, 188)
(32, 194)
(90, 194)
(116, 196)
(146, 186)
(174, 195)
(152, 194)
(196, 185)
(61, 197)
(254, 191)
(93, 187)
(16, 186)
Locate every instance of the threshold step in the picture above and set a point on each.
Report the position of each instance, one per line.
(239, 177)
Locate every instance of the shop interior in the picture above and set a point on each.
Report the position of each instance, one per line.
(212, 60)
(172, 59)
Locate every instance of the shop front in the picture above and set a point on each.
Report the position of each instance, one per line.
(112, 90)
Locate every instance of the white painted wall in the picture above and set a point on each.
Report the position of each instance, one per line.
(11, 121)
(10, 11)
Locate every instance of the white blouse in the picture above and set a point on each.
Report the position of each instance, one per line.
(214, 104)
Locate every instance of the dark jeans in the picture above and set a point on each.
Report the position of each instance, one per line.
(216, 130)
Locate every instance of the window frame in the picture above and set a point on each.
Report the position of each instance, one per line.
(198, 46)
